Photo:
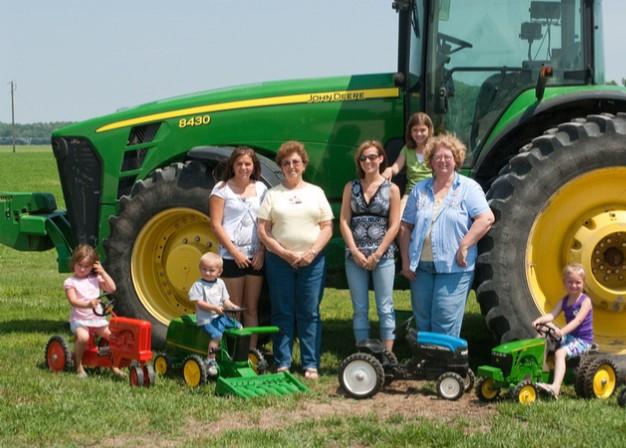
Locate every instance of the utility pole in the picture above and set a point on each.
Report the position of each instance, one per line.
(13, 89)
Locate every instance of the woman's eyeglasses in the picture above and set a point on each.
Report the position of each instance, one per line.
(370, 157)
(286, 163)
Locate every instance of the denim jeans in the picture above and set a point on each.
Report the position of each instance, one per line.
(438, 300)
(295, 296)
(358, 281)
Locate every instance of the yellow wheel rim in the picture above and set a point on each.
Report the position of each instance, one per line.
(165, 260)
(160, 365)
(487, 389)
(604, 381)
(527, 395)
(584, 222)
(192, 373)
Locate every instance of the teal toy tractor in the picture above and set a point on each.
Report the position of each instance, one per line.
(518, 366)
(240, 372)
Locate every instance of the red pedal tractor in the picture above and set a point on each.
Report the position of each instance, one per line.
(128, 346)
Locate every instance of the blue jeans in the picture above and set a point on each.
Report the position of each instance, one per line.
(295, 296)
(358, 281)
(216, 327)
(438, 300)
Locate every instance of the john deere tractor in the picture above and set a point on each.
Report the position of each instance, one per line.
(520, 81)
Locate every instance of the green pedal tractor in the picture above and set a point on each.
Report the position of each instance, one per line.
(241, 373)
(518, 366)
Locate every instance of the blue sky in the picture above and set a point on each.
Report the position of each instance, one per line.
(73, 59)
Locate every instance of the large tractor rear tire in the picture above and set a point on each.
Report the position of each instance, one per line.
(561, 199)
(156, 242)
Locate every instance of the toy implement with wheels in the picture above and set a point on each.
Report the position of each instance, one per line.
(518, 366)
(128, 346)
(240, 374)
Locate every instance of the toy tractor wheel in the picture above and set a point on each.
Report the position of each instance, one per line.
(162, 364)
(600, 378)
(581, 374)
(486, 390)
(545, 218)
(58, 355)
(149, 375)
(361, 375)
(257, 361)
(194, 371)
(621, 399)
(450, 385)
(469, 380)
(136, 376)
(525, 392)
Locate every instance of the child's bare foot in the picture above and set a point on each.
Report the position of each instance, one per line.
(117, 372)
(81, 373)
(311, 374)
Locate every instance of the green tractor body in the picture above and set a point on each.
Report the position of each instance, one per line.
(239, 374)
(521, 82)
(514, 362)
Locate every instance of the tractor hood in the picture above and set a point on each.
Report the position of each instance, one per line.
(274, 93)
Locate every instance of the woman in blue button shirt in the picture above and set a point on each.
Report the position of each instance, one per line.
(444, 218)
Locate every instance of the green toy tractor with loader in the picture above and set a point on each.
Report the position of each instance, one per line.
(520, 81)
(240, 372)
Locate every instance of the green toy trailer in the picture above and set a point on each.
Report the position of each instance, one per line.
(240, 375)
(519, 365)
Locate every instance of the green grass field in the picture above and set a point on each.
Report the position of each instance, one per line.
(38, 408)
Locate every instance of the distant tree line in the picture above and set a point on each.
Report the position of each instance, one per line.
(29, 134)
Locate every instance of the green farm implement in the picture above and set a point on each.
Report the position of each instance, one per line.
(240, 372)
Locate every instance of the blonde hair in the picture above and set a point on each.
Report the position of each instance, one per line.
(449, 141)
(212, 259)
(573, 268)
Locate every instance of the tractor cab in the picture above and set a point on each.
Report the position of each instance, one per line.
(468, 61)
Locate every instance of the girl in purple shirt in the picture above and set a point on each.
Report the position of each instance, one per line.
(577, 335)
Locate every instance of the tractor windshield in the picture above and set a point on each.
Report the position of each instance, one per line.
(482, 55)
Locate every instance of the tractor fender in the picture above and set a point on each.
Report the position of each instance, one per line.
(534, 121)
(270, 172)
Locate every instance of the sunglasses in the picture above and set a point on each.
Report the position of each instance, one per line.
(370, 157)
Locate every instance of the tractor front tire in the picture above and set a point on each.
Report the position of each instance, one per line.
(58, 355)
(156, 242)
(486, 390)
(560, 200)
(450, 386)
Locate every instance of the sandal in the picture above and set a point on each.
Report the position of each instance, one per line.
(311, 374)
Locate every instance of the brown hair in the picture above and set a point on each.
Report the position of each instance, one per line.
(241, 151)
(417, 119)
(362, 147)
(82, 252)
(449, 141)
(288, 148)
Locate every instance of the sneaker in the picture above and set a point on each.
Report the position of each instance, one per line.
(212, 369)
